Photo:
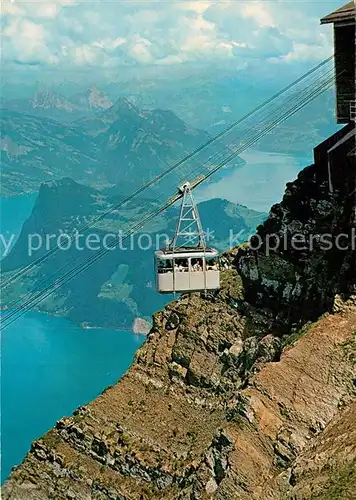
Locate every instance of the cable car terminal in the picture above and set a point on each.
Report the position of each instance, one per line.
(183, 267)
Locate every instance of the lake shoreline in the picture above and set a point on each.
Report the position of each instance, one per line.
(83, 325)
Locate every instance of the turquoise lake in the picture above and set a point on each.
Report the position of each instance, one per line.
(49, 365)
(260, 182)
(14, 210)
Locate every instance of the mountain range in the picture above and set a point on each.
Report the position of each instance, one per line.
(115, 135)
(118, 145)
(48, 103)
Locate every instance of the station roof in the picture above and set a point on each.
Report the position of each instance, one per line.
(346, 13)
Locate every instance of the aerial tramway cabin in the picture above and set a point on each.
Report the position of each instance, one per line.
(187, 264)
(187, 270)
(343, 20)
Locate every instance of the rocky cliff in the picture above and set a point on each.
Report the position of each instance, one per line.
(306, 250)
(236, 394)
(205, 412)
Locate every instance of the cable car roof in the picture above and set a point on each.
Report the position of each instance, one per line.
(185, 253)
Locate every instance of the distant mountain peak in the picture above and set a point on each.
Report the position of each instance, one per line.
(92, 99)
(98, 99)
(123, 108)
(124, 104)
(49, 99)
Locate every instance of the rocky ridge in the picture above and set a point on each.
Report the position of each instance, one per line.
(307, 247)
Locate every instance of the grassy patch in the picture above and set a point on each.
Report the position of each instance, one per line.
(291, 339)
(341, 485)
(51, 439)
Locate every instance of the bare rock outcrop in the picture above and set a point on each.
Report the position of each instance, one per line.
(182, 424)
(305, 252)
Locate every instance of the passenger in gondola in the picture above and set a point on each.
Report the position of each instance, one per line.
(213, 266)
(164, 267)
(183, 265)
(197, 265)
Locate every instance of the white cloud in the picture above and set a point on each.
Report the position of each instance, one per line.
(232, 44)
(38, 9)
(84, 54)
(140, 50)
(174, 59)
(199, 7)
(259, 13)
(79, 33)
(307, 52)
(202, 38)
(10, 8)
(110, 44)
(71, 25)
(28, 41)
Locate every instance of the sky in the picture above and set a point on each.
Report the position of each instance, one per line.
(114, 36)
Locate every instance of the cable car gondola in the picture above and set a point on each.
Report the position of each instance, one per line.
(183, 267)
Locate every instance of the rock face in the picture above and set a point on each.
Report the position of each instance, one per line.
(95, 98)
(306, 249)
(48, 99)
(141, 326)
(47, 103)
(225, 399)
